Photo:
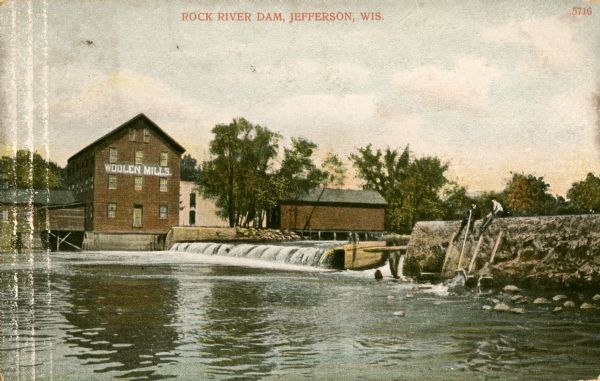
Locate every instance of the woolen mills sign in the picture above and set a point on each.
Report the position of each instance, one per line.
(139, 169)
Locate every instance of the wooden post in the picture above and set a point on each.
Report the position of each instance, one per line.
(448, 253)
(462, 249)
(475, 254)
(496, 247)
(57, 241)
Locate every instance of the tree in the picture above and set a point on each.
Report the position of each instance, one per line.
(335, 169)
(241, 177)
(526, 195)
(30, 170)
(299, 173)
(242, 153)
(189, 168)
(410, 186)
(585, 195)
(426, 178)
(456, 201)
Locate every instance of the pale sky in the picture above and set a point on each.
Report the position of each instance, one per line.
(490, 86)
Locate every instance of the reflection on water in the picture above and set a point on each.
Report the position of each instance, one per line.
(124, 322)
(149, 316)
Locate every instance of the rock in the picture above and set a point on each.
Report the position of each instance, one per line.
(541, 301)
(569, 304)
(596, 298)
(487, 308)
(586, 306)
(516, 298)
(501, 307)
(378, 274)
(557, 309)
(400, 313)
(511, 288)
(409, 295)
(558, 298)
(517, 310)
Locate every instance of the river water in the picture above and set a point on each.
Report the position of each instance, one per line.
(188, 316)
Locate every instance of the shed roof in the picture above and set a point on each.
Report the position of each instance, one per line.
(340, 196)
(125, 125)
(40, 196)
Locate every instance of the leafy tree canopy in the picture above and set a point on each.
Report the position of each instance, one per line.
(189, 168)
(585, 195)
(30, 170)
(411, 186)
(528, 195)
(336, 170)
(242, 177)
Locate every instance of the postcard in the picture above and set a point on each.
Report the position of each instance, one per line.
(331, 190)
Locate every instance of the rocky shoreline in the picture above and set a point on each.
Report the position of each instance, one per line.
(513, 299)
(545, 253)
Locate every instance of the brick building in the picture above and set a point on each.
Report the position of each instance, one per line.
(128, 180)
(335, 211)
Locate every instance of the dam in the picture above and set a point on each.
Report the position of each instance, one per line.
(333, 255)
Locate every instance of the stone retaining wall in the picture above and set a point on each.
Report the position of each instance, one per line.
(562, 251)
(198, 234)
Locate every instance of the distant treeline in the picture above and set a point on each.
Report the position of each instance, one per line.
(250, 170)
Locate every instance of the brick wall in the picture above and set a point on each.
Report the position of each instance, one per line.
(329, 217)
(125, 196)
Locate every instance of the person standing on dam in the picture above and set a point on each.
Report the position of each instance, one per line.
(496, 211)
(469, 219)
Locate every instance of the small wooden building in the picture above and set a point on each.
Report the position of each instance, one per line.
(334, 213)
(32, 219)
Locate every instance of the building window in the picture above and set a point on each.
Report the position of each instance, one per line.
(139, 156)
(163, 212)
(138, 183)
(112, 155)
(164, 159)
(132, 134)
(4, 215)
(193, 200)
(112, 181)
(112, 210)
(192, 217)
(138, 216)
(146, 135)
(164, 184)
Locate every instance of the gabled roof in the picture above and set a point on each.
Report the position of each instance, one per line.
(340, 196)
(40, 196)
(125, 125)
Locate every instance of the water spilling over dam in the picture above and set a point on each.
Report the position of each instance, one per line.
(316, 254)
